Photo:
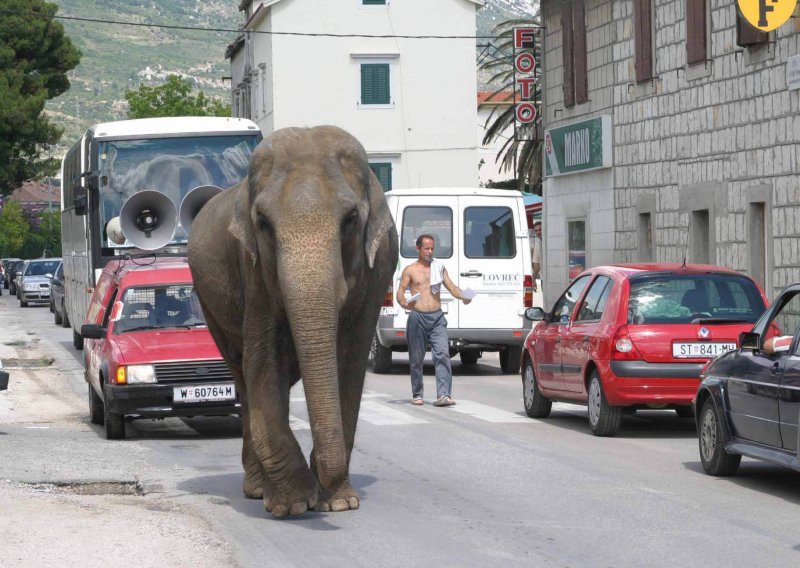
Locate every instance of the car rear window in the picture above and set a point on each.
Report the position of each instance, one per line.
(693, 298)
(489, 232)
(434, 221)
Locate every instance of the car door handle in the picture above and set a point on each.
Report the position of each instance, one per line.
(471, 274)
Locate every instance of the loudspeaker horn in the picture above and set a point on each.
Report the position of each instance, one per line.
(193, 202)
(148, 219)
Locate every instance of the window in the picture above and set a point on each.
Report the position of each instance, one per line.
(489, 232)
(563, 308)
(573, 31)
(696, 41)
(375, 84)
(373, 2)
(645, 237)
(786, 319)
(643, 31)
(383, 171)
(436, 221)
(699, 232)
(747, 35)
(595, 303)
(576, 237)
(757, 242)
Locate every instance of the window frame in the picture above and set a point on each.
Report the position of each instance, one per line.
(575, 75)
(556, 319)
(464, 225)
(605, 292)
(375, 165)
(697, 20)
(388, 103)
(644, 33)
(452, 229)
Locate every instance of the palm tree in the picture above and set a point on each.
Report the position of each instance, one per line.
(523, 157)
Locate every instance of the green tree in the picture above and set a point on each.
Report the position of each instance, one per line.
(14, 229)
(50, 231)
(35, 56)
(173, 98)
(523, 157)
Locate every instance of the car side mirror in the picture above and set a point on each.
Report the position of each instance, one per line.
(48, 275)
(749, 340)
(79, 199)
(93, 331)
(535, 314)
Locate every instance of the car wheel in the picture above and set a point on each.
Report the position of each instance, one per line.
(77, 340)
(64, 317)
(684, 412)
(114, 423)
(469, 356)
(536, 404)
(57, 319)
(604, 419)
(22, 304)
(509, 359)
(716, 461)
(380, 357)
(52, 307)
(96, 410)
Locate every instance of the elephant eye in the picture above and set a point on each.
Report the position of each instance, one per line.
(350, 221)
(263, 223)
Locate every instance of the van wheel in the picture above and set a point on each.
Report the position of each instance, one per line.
(536, 404)
(77, 340)
(604, 419)
(57, 319)
(96, 411)
(64, 317)
(115, 423)
(469, 356)
(380, 357)
(509, 359)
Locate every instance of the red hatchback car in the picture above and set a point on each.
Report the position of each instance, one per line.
(634, 336)
(148, 350)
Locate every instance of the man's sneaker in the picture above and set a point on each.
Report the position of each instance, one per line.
(444, 401)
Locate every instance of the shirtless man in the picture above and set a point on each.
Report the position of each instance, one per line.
(426, 323)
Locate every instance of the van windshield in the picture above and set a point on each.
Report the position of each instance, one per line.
(693, 298)
(158, 307)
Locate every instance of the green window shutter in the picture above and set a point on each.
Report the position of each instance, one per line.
(373, 2)
(375, 84)
(383, 171)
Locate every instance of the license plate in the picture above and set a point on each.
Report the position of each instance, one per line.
(700, 350)
(204, 393)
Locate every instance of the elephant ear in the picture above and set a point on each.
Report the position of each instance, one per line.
(379, 221)
(241, 226)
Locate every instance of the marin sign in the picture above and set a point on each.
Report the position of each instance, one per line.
(578, 147)
(525, 111)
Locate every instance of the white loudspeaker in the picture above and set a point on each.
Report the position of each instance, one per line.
(114, 231)
(193, 202)
(148, 219)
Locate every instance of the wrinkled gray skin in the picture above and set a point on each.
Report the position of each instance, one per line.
(291, 267)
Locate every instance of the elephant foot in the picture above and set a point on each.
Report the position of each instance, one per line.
(254, 482)
(293, 498)
(345, 498)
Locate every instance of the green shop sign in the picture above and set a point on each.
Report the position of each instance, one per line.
(578, 147)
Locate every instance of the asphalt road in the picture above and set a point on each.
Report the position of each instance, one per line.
(478, 484)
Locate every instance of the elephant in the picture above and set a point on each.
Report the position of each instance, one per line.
(291, 267)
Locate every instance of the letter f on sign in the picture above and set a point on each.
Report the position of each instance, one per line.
(763, 10)
(525, 38)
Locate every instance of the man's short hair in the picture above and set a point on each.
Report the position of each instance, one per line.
(424, 236)
(537, 224)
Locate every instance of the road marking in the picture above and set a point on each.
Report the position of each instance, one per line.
(487, 413)
(297, 424)
(363, 396)
(380, 414)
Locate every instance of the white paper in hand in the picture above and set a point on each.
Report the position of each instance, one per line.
(415, 297)
(468, 293)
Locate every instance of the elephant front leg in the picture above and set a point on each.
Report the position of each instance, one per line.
(255, 481)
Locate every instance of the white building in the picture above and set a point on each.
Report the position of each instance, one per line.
(490, 106)
(409, 101)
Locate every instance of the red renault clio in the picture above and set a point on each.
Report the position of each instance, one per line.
(148, 351)
(634, 336)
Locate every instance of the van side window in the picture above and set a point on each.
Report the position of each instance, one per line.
(436, 221)
(489, 232)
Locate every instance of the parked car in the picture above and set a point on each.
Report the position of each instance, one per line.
(749, 400)
(19, 268)
(33, 285)
(148, 351)
(634, 336)
(58, 298)
(5, 264)
(11, 274)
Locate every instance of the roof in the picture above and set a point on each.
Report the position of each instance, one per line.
(634, 268)
(454, 191)
(171, 125)
(151, 270)
(495, 98)
(37, 192)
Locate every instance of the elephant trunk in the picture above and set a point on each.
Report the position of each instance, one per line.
(313, 290)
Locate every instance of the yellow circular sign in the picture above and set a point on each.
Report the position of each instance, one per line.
(766, 15)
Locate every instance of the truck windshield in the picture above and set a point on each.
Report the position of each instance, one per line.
(158, 307)
(174, 166)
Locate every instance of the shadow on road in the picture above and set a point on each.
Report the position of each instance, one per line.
(763, 477)
(655, 424)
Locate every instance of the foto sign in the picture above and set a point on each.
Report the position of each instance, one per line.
(578, 147)
(525, 111)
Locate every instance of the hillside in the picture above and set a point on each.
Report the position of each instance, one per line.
(116, 57)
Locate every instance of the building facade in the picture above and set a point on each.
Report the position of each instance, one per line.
(410, 101)
(672, 131)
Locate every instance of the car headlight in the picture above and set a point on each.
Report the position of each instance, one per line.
(31, 286)
(134, 374)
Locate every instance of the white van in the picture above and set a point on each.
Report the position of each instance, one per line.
(481, 236)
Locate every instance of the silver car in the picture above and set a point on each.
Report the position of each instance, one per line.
(33, 284)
